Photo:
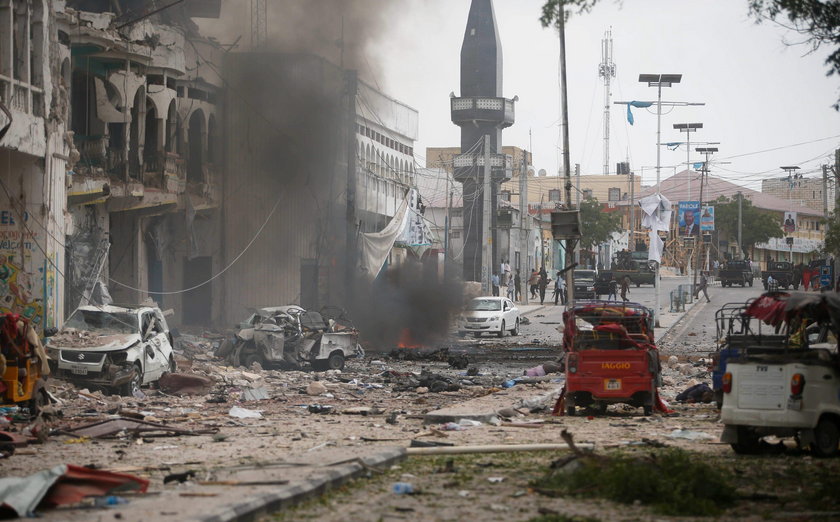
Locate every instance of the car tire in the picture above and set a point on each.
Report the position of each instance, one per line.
(515, 330)
(502, 329)
(336, 361)
(128, 389)
(751, 283)
(638, 285)
(748, 443)
(826, 438)
(251, 358)
(570, 411)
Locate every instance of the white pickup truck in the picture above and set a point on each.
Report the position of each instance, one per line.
(791, 394)
(787, 390)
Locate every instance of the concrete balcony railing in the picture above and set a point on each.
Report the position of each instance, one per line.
(481, 108)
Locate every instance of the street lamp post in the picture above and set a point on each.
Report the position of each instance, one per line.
(658, 81)
(688, 128)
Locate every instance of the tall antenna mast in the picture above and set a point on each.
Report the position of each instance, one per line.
(606, 70)
(259, 23)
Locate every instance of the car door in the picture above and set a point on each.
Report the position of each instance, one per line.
(514, 312)
(508, 313)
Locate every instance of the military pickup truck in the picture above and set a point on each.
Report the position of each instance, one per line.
(633, 265)
(736, 273)
(784, 273)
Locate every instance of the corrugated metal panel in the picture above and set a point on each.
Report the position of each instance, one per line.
(280, 153)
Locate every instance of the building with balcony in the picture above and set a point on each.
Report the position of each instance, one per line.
(34, 153)
(142, 198)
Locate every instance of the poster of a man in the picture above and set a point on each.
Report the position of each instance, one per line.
(707, 219)
(689, 215)
(789, 224)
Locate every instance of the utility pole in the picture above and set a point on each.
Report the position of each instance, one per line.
(825, 192)
(487, 256)
(740, 223)
(524, 231)
(446, 226)
(564, 99)
(708, 151)
(351, 82)
(632, 243)
(606, 70)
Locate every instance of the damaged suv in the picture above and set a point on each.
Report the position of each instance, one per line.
(112, 347)
(292, 337)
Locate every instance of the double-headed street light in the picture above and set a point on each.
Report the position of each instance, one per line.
(688, 128)
(707, 151)
(659, 81)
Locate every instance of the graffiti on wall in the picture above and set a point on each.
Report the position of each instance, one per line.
(21, 270)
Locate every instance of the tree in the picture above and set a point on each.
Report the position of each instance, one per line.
(818, 21)
(758, 225)
(597, 226)
(832, 236)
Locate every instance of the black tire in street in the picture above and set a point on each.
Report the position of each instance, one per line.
(826, 438)
(515, 330)
(570, 411)
(501, 332)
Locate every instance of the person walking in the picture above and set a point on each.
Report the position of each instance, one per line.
(495, 282)
(701, 287)
(534, 283)
(613, 288)
(517, 286)
(543, 283)
(557, 289)
(625, 287)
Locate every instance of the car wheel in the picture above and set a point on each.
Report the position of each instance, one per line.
(570, 411)
(748, 443)
(336, 361)
(751, 283)
(515, 330)
(638, 285)
(252, 358)
(826, 438)
(131, 388)
(502, 329)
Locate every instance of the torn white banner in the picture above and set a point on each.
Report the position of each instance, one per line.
(656, 247)
(657, 212)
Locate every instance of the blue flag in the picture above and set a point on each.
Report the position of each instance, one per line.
(639, 104)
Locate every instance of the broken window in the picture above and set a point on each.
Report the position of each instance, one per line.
(196, 136)
(22, 55)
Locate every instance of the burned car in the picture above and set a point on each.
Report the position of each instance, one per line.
(291, 337)
(115, 348)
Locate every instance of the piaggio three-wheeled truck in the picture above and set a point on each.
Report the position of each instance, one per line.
(610, 357)
(23, 365)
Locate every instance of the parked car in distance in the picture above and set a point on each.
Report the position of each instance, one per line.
(489, 314)
(115, 348)
(585, 284)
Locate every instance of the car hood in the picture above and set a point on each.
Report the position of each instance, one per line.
(481, 313)
(589, 282)
(93, 343)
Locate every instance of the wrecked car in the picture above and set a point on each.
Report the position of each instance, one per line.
(292, 337)
(114, 348)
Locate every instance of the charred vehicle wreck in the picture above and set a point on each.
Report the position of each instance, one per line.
(290, 337)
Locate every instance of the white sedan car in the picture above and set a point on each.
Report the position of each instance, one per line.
(489, 314)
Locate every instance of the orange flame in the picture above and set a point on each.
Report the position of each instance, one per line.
(406, 340)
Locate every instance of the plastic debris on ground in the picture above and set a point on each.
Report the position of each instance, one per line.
(244, 413)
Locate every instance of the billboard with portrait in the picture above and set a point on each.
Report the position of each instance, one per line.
(707, 219)
(789, 222)
(689, 218)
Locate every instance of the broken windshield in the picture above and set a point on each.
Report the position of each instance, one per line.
(103, 323)
(485, 305)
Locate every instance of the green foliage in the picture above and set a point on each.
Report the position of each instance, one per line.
(758, 225)
(818, 21)
(832, 235)
(671, 482)
(597, 226)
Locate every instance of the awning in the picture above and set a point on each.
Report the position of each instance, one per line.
(800, 245)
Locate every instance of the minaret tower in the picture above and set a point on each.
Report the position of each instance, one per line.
(481, 111)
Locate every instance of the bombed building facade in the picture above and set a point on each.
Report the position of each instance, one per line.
(143, 160)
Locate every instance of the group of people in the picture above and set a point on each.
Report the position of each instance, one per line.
(505, 283)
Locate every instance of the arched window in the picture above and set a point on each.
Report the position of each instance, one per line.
(196, 147)
(173, 128)
(137, 127)
(212, 137)
(151, 139)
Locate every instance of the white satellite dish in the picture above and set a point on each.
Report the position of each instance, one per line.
(542, 173)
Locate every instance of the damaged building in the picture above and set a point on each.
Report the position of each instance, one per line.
(144, 160)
